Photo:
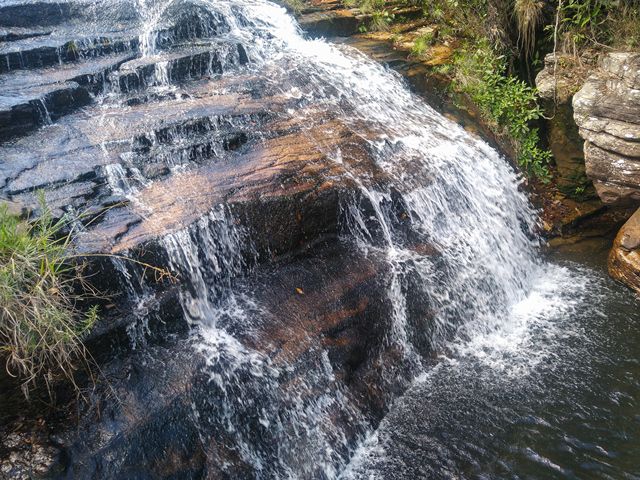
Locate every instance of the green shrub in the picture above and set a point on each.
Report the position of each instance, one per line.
(509, 103)
(41, 325)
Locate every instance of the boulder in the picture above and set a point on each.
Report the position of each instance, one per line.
(624, 258)
(607, 112)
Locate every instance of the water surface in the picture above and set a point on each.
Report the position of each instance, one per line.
(553, 394)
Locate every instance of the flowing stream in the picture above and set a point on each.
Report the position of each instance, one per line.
(497, 360)
(526, 384)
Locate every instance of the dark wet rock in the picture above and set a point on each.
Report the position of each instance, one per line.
(332, 23)
(30, 14)
(39, 106)
(330, 18)
(314, 305)
(49, 50)
(38, 97)
(179, 66)
(148, 159)
(13, 34)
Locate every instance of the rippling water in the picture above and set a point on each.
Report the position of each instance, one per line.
(552, 395)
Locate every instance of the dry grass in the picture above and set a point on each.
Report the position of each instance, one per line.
(47, 305)
(624, 24)
(528, 15)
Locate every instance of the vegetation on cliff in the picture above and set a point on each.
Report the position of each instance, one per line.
(497, 46)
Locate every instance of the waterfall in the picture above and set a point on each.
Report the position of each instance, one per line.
(459, 195)
(446, 214)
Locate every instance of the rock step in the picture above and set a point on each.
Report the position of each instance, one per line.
(49, 50)
(62, 13)
(273, 174)
(79, 145)
(34, 13)
(30, 98)
(178, 66)
(14, 34)
(342, 22)
(34, 46)
(39, 105)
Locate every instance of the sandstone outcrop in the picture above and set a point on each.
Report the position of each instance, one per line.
(624, 258)
(607, 111)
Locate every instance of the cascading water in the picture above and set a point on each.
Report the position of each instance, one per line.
(439, 220)
(456, 194)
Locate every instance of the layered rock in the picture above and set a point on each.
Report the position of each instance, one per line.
(227, 182)
(607, 111)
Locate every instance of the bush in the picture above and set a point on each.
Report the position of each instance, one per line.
(41, 325)
(598, 23)
(507, 102)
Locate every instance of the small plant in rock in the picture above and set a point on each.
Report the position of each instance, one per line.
(422, 43)
(381, 20)
(72, 49)
(47, 305)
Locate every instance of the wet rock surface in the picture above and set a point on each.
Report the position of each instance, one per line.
(277, 344)
(163, 152)
(153, 425)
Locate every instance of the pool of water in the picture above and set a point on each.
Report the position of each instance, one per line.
(553, 394)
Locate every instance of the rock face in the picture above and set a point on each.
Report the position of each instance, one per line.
(556, 84)
(186, 158)
(624, 259)
(607, 111)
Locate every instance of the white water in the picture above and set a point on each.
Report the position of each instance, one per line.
(485, 284)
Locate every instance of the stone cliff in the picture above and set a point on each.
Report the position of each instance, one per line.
(607, 111)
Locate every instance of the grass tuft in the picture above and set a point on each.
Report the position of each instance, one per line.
(41, 324)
